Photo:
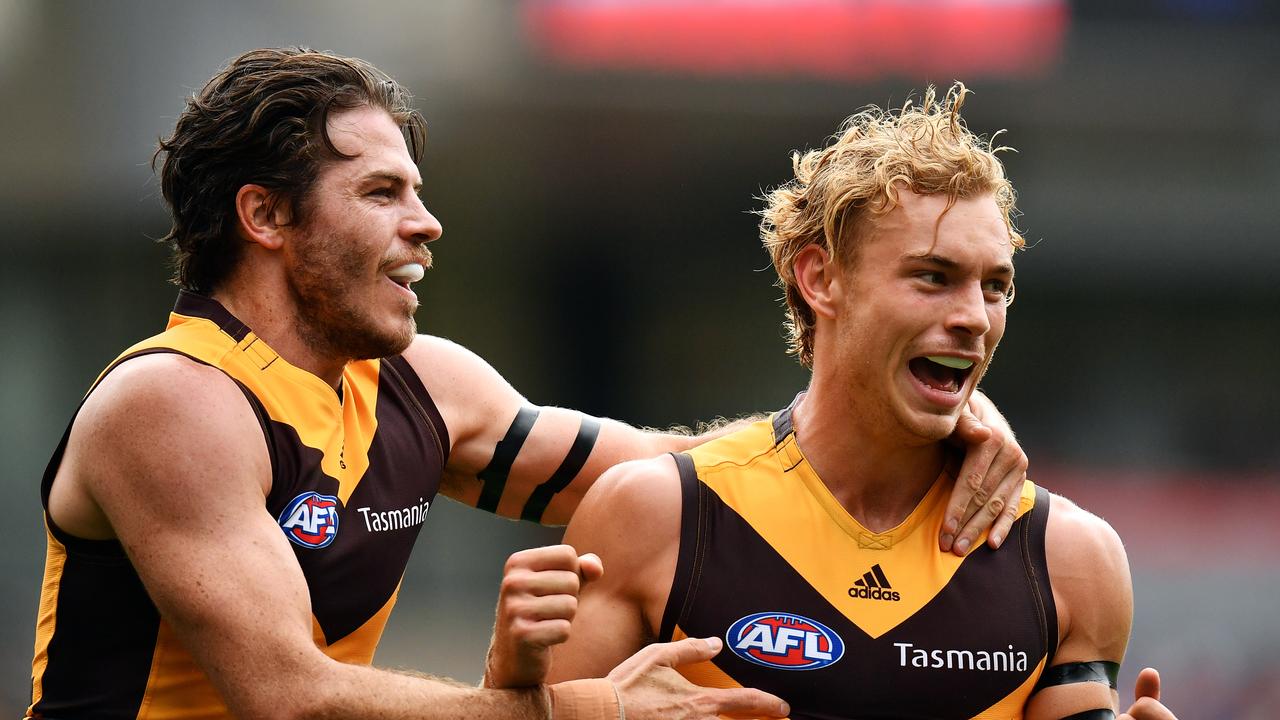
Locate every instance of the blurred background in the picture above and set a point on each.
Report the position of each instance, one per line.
(596, 164)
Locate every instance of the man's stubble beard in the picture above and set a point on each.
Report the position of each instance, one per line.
(330, 319)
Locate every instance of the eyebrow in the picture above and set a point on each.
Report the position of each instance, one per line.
(391, 177)
(949, 264)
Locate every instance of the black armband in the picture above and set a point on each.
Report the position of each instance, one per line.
(1099, 671)
(537, 503)
(1099, 714)
(495, 473)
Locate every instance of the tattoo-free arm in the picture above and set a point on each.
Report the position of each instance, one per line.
(1089, 573)
(170, 455)
(522, 452)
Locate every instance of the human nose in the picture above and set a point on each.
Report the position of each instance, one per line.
(421, 227)
(968, 312)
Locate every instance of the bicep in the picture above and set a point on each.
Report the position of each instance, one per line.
(1094, 595)
(618, 613)
(508, 456)
(190, 513)
(541, 467)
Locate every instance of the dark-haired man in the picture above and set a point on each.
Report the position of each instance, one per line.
(232, 507)
(805, 540)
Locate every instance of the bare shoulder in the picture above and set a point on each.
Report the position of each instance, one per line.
(1089, 571)
(165, 399)
(471, 395)
(631, 518)
(156, 426)
(639, 488)
(168, 378)
(1077, 539)
(449, 369)
(440, 359)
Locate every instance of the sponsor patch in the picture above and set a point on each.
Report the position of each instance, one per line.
(311, 520)
(784, 641)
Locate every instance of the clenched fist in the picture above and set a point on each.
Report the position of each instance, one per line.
(536, 605)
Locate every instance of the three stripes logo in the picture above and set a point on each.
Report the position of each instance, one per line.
(873, 585)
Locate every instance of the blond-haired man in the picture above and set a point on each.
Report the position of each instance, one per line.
(803, 540)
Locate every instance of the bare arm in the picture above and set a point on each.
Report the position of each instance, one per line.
(631, 520)
(167, 457)
(481, 409)
(1093, 592)
(615, 614)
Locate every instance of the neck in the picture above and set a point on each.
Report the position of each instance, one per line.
(273, 315)
(876, 472)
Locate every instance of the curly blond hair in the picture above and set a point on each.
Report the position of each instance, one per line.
(839, 189)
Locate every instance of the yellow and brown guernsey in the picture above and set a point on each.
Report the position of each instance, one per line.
(353, 475)
(843, 622)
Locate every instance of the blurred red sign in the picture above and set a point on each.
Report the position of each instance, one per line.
(840, 39)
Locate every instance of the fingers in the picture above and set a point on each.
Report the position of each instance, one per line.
(650, 688)
(747, 703)
(541, 585)
(1147, 685)
(550, 570)
(986, 494)
(590, 567)
(670, 655)
(970, 430)
(969, 494)
(537, 602)
(1146, 697)
(1006, 498)
(684, 652)
(1004, 523)
(551, 557)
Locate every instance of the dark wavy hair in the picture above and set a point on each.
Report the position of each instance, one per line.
(262, 120)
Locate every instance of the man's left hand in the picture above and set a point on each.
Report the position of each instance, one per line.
(989, 482)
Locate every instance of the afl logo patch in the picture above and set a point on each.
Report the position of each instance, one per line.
(784, 641)
(311, 520)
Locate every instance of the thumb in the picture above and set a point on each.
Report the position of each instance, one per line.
(687, 651)
(590, 567)
(970, 430)
(1148, 685)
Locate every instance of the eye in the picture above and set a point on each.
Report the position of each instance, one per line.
(932, 277)
(999, 290)
(383, 192)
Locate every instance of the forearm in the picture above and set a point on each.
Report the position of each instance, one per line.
(353, 691)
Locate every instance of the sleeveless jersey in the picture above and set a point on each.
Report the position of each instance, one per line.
(842, 622)
(352, 478)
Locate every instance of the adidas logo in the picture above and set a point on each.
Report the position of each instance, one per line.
(873, 585)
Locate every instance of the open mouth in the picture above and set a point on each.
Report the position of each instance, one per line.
(941, 372)
(406, 274)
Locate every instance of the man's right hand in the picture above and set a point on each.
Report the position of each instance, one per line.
(536, 604)
(649, 688)
(1146, 699)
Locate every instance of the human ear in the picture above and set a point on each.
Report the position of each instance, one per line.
(818, 279)
(261, 216)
